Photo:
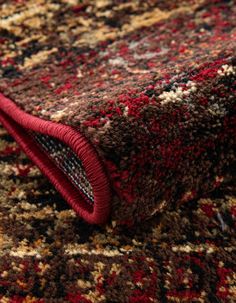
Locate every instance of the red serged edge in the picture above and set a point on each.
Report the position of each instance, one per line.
(15, 120)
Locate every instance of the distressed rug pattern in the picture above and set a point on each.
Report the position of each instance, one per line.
(127, 107)
(49, 254)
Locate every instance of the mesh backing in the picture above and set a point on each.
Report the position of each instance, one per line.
(65, 159)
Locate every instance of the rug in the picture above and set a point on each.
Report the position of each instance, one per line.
(127, 107)
(49, 254)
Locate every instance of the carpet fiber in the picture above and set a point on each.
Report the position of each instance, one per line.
(49, 254)
(127, 107)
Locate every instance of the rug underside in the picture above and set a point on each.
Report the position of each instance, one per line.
(67, 161)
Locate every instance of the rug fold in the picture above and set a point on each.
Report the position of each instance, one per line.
(26, 129)
(125, 117)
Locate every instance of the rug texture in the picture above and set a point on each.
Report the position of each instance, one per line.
(127, 107)
(49, 254)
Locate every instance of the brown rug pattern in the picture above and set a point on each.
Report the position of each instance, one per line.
(150, 84)
(48, 254)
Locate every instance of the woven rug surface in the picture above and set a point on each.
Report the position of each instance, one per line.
(49, 254)
(126, 106)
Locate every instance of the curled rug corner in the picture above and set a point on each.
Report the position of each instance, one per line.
(34, 135)
(127, 117)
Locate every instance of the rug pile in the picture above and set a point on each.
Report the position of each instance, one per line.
(49, 254)
(121, 114)
(127, 107)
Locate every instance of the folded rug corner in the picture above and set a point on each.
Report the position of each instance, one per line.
(128, 117)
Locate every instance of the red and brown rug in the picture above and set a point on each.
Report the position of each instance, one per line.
(49, 254)
(129, 109)
(126, 106)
